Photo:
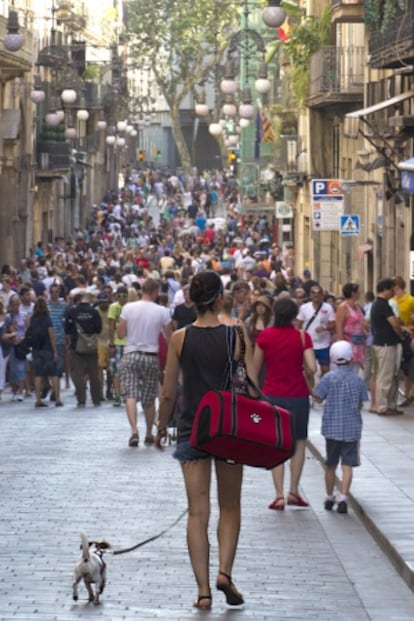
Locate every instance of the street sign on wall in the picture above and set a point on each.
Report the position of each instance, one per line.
(327, 204)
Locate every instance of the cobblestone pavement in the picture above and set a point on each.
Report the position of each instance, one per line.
(64, 470)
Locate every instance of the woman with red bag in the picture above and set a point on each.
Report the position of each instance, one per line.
(201, 353)
(287, 355)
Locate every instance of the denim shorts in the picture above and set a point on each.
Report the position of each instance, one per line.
(347, 452)
(184, 453)
(322, 356)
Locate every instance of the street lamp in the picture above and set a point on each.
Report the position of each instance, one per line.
(13, 39)
(273, 15)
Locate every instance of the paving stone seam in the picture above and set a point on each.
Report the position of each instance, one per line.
(404, 570)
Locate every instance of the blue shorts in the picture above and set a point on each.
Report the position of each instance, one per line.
(347, 452)
(184, 453)
(322, 356)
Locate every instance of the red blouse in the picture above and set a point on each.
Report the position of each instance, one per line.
(283, 357)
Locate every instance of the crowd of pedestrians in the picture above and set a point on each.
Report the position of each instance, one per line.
(102, 310)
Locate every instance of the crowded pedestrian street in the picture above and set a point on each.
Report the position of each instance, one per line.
(67, 470)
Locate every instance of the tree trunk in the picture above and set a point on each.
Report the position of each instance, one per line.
(180, 142)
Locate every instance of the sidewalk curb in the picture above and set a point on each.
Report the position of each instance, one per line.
(405, 570)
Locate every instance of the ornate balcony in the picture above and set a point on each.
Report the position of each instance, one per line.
(395, 47)
(336, 76)
(53, 158)
(347, 11)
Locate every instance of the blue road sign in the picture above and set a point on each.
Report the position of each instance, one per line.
(349, 225)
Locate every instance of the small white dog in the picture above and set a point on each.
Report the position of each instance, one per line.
(91, 567)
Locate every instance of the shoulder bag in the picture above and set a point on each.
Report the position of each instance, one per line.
(85, 343)
(240, 429)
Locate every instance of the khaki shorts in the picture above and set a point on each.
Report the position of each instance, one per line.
(103, 356)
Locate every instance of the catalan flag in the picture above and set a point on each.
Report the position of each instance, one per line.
(267, 131)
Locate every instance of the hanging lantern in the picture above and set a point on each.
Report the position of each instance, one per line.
(13, 39)
(273, 15)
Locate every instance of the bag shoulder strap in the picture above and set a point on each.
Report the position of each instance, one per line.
(313, 317)
(242, 341)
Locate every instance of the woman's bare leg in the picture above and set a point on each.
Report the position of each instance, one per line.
(197, 478)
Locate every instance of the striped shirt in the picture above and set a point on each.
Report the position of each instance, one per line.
(57, 315)
(343, 391)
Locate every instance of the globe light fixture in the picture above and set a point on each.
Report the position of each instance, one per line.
(110, 140)
(82, 114)
(229, 107)
(233, 140)
(215, 129)
(61, 114)
(273, 15)
(13, 39)
(53, 119)
(201, 108)
(246, 108)
(121, 126)
(262, 84)
(37, 95)
(244, 123)
(70, 133)
(229, 85)
(101, 123)
(68, 96)
(120, 141)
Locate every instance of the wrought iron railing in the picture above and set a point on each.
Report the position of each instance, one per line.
(337, 70)
(398, 36)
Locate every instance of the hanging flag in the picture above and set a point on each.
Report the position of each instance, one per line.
(285, 31)
(267, 131)
(259, 135)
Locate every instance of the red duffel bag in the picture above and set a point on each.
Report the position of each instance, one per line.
(243, 430)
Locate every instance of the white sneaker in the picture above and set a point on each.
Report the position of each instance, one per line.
(20, 397)
(14, 397)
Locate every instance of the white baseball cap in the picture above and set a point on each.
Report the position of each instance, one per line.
(341, 352)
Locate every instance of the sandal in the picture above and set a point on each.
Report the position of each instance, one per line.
(233, 597)
(278, 504)
(133, 440)
(198, 604)
(41, 404)
(296, 500)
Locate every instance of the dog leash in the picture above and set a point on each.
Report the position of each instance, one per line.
(153, 538)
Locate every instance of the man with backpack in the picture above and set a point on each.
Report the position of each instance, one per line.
(83, 324)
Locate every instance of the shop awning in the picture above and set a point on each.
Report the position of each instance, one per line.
(351, 126)
(407, 165)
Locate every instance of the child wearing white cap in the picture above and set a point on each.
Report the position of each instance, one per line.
(344, 393)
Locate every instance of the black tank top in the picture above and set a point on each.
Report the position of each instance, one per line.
(204, 363)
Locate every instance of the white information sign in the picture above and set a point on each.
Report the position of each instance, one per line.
(327, 204)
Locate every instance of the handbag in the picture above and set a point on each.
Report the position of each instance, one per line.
(241, 429)
(21, 350)
(357, 339)
(85, 343)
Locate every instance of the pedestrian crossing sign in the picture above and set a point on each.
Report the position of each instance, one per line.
(349, 225)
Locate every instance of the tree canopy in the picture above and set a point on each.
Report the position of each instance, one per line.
(181, 41)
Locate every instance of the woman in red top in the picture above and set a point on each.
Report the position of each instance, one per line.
(287, 354)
